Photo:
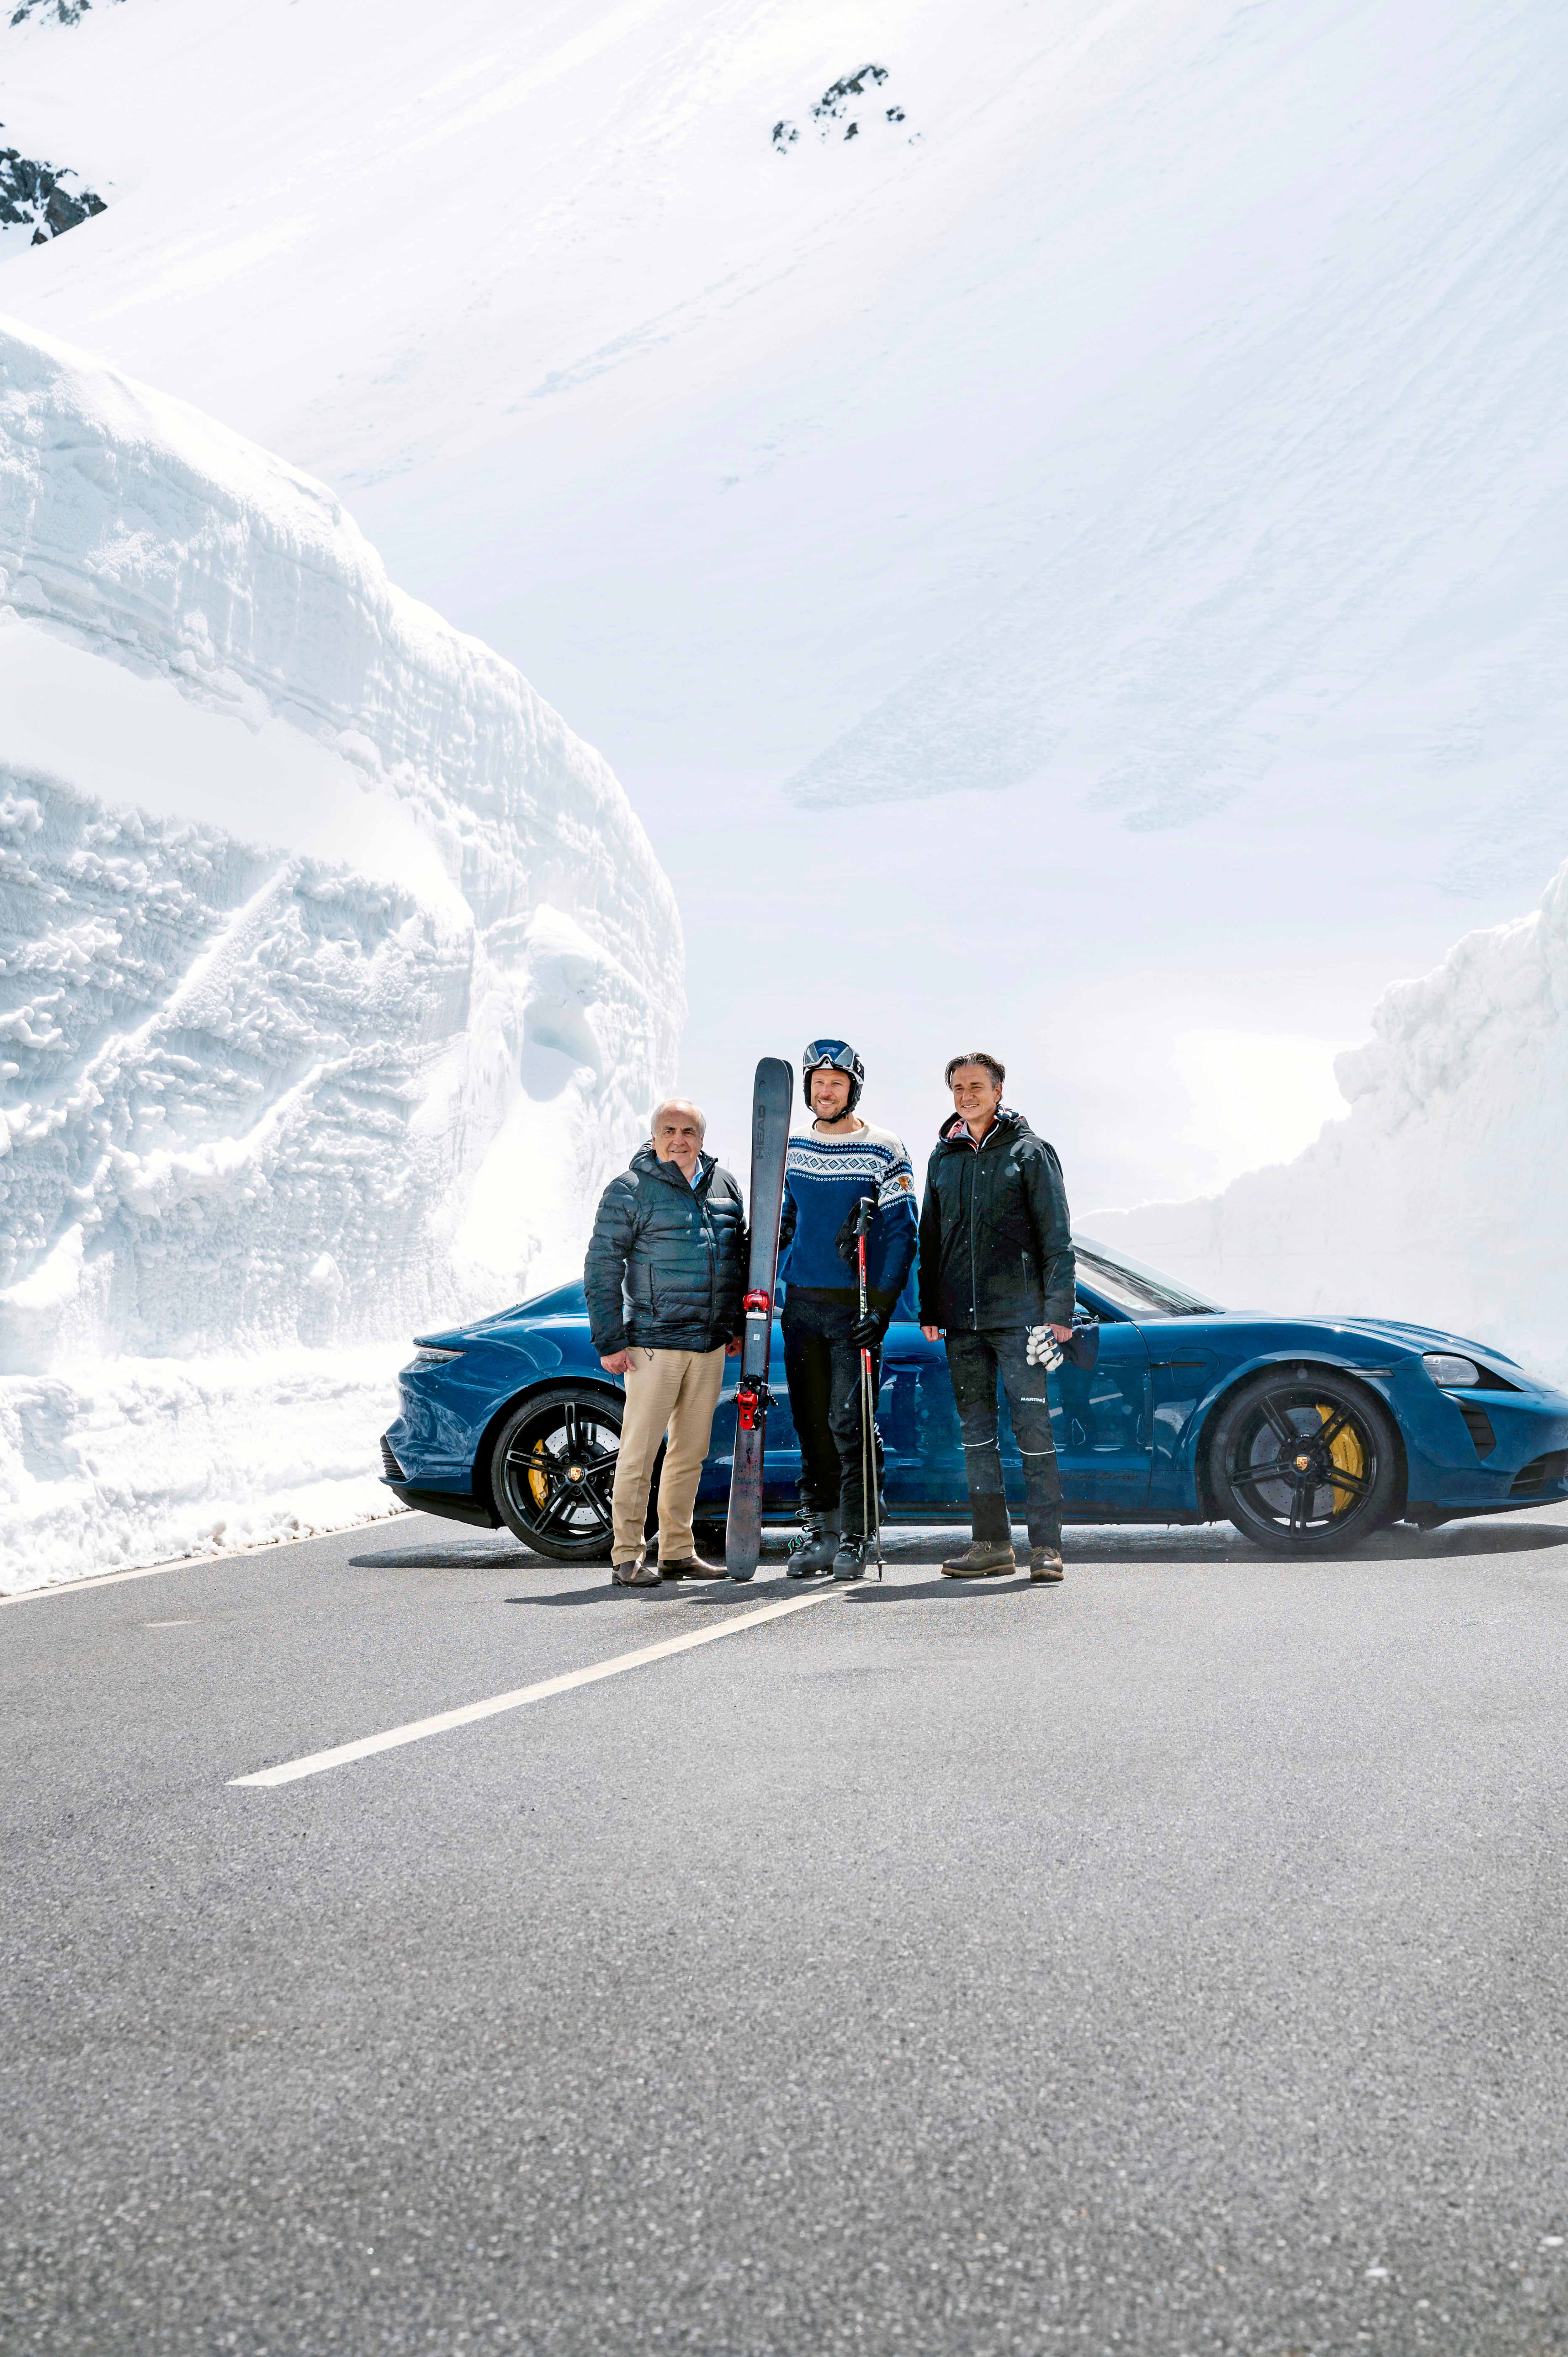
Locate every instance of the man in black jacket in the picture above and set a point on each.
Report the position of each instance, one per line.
(664, 1278)
(997, 1276)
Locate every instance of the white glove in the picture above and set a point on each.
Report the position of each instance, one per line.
(1042, 1348)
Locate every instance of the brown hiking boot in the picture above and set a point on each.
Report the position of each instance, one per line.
(982, 1559)
(639, 1574)
(1045, 1563)
(692, 1567)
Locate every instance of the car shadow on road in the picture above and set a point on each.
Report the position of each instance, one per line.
(485, 1556)
(1465, 1538)
(1148, 1546)
(1153, 1547)
(1150, 1549)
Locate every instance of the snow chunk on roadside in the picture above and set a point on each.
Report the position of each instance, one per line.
(147, 1458)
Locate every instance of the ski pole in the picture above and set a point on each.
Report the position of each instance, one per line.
(870, 1487)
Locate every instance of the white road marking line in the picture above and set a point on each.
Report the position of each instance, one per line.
(417, 1730)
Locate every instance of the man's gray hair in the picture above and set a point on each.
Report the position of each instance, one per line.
(663, 1106)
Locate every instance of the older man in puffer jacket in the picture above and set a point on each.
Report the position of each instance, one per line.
(665, 1277)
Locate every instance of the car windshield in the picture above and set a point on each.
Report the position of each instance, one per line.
(1129, 1286)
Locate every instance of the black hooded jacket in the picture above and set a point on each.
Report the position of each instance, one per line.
(666, 1264)
(995, 1238)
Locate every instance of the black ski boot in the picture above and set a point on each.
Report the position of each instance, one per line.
(849, 1561)
(813, 1551)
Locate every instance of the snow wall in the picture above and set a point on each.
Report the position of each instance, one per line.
(336, 978)
(1438, 1197)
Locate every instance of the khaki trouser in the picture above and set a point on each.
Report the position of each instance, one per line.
(666, 1390)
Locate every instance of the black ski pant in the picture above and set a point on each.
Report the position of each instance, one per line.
(823, 1368)
(975, 1362)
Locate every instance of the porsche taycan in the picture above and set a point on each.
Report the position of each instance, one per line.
(1309, 1434)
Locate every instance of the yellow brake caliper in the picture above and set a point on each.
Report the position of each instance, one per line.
(538, 1481)
(1347, 1453)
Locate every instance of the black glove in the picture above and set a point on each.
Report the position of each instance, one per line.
(867, 1333)
(1083, 1351)
(846, 1243)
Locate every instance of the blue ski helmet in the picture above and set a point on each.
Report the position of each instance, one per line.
(833, 1056)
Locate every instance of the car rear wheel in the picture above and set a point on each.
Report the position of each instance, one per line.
(553, 1469)
(1304, 1462)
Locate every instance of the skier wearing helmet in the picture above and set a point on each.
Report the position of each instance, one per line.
(831, 1168)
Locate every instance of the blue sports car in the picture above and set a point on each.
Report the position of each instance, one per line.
(1306, 1433)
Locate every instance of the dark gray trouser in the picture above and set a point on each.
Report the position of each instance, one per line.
(974, 1361)
(823, 1368)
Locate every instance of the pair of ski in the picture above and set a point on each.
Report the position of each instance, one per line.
(772, 1098)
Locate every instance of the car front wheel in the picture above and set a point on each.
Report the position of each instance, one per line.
(552, 1472)
(1306, 1463)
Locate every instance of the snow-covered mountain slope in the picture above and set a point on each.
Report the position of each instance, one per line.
(1189, 366)
(1143, 453)
(1438, 1198)
(336, 975)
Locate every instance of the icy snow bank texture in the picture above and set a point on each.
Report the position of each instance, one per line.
(144, 1459)
(336, 974)
(1438, 1198)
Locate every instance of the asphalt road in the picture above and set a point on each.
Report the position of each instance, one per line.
(1171, 1963)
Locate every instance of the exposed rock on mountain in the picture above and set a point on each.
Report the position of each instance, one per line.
(60, 11)
(844, 108)
(40, 198)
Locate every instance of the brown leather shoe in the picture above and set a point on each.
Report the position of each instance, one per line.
(983, 1559)
(641, 1574)
(692, 1567)
(1045, 1563)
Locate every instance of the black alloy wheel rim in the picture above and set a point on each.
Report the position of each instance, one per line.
(560, 1471)
(1303, 1465)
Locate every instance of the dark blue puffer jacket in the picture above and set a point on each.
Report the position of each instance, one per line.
(666, 1264)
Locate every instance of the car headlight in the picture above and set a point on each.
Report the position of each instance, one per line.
(427, 1355)
(1449, 1372)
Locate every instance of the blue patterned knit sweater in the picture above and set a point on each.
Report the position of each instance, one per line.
(824, 1178)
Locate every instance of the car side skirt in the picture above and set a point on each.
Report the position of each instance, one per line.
(456, 1506)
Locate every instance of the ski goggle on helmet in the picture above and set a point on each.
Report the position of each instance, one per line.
(833, 1056)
